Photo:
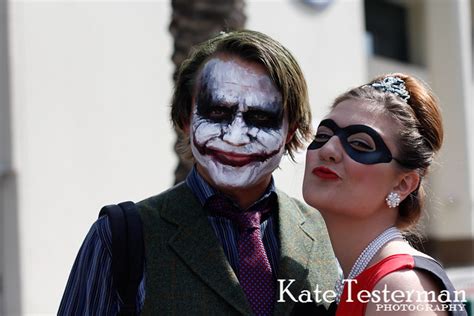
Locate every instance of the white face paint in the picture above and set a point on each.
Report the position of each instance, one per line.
(238, 125)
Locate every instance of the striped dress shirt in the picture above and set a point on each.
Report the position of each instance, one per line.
(90, 290)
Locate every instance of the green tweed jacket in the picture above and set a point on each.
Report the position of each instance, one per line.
(187, 272)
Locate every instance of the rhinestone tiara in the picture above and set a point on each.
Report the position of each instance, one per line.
(393, 85)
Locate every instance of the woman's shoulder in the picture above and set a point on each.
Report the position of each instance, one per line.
(415, 287)
(408, 279)
(410, 270)
(411, 290)
(411, 266)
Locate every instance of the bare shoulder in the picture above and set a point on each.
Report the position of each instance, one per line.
(408, 279)
(411, 291)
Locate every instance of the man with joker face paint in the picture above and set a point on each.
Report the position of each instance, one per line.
(219, 242)
(238, 126)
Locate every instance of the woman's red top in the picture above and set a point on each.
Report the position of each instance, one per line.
(350, 305)
(354, 299)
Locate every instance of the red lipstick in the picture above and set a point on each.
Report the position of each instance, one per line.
(325, 173)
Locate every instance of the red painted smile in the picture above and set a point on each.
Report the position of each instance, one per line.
(233, 159)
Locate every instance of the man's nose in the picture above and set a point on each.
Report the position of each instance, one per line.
(237, 132)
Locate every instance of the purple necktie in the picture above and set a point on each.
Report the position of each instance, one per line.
(255, 271)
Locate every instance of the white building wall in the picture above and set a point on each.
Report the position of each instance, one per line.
(449, 63)
(91, 83)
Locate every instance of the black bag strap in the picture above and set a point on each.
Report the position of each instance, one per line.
(127, 252)
(435, 269)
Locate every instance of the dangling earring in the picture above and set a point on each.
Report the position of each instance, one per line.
(393, 199)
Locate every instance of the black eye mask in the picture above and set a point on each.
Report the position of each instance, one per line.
(381, 153)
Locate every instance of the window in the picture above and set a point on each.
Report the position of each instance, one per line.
(387, 31)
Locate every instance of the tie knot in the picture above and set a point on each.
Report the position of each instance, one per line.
(254, 270)
(249, 219)
(221, 206)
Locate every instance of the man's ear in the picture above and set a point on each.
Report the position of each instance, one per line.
(407, 183)
(186, 128)
(186, 122)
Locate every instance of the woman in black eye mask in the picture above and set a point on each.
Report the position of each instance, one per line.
(364, 173)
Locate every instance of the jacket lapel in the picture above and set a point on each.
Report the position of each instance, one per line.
(295, 253)
(303, 243)
(306, 253)
(196, 244)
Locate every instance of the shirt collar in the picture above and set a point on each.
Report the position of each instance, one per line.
(204, 190)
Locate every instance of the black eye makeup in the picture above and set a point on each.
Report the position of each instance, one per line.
(219, 114)
(262, 118)
(214, 111)
(323, 134)
(362, 143)
(219, 111)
